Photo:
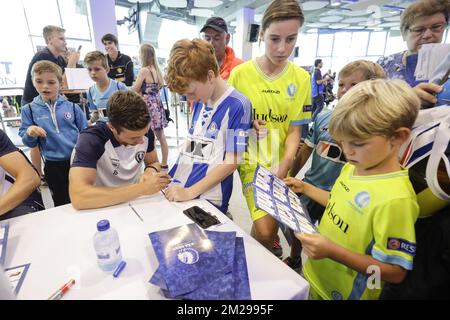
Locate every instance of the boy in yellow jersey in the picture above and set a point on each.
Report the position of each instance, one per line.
(366, 235)
(280, 93)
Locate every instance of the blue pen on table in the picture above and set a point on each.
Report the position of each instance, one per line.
(119, 269)
(61, 291)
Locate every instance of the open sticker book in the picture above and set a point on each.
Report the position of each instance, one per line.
(273, 196)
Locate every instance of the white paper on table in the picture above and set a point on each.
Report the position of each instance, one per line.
(78, 79)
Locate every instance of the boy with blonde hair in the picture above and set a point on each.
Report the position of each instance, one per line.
(103, 88)
(367, 231)
(219, 130)
(52, 123)
(327, 155)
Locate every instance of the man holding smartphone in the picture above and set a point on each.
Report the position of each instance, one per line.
(55, 52)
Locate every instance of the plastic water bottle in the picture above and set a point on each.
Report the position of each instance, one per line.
(107, 246)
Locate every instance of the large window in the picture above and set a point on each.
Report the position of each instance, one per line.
(35, 18)
(74, 19)
(376, 44)
(342, 41)
(394, 44)
(325, 46)
(359, 43)
(68, 14)
(307, 44)
(126, 39)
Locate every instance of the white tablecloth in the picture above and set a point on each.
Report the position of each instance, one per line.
(58, 244)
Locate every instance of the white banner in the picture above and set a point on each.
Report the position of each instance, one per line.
(16, 51)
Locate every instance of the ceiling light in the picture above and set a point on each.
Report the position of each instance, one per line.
(355, 13)
(331, 19)
(339, 25)
(314, 5)
(207, 3)
(335, 3)
(201, 12)
(174, 3)
(316, 25)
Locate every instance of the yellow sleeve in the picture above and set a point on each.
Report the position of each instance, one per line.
(394, 234)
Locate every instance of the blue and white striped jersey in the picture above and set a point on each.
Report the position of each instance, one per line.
(215, 130)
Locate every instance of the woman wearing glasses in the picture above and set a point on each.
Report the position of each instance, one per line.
(423, 22)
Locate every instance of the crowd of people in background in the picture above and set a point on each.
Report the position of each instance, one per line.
(268, 112)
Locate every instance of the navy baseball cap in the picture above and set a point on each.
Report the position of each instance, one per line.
(216, 23)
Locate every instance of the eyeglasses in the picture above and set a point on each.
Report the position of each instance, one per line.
(421, 30)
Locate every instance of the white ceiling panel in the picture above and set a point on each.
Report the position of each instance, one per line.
(314, 5)
(207, 3)
(174, 3)
(331, 19)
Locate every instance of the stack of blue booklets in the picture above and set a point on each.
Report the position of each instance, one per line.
(197, 264)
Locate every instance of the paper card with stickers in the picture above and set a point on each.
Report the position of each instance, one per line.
(3, 241)
(16, 276)
(273, 196)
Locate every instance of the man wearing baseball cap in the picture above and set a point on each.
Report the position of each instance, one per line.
(215, 31)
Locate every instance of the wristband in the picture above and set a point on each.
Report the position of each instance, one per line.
(150, 166)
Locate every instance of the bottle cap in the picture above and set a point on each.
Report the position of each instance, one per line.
(103, 225)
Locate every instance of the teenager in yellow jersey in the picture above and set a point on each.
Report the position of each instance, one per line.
(280, 94)
(366, 235)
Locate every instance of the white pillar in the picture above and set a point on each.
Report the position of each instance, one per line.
(243, 48)
(103, 19)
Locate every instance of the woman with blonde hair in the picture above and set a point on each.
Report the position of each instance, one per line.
(148, 83)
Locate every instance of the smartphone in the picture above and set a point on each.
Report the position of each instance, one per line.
(79, 48)
(201, 217)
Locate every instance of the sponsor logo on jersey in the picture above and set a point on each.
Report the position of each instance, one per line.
(212, 129)
(336, 219)
(402, 245)
(67, 115)
(344, 186)
(199, 149)
(330, 151)
(139, 156)
(115, 162)
(336, 295)
(271, 91)
(362, 199)
(269, 117)
(307, 108)
(291, 89)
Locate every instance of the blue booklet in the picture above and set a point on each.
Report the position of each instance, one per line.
(273, 196)
(188, 258)
(4, 229)
(231, 282)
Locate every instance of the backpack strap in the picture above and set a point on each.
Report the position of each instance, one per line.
(90, 96)
(440, 144)
(75, 116)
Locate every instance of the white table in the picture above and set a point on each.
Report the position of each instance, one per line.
(58, 244)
